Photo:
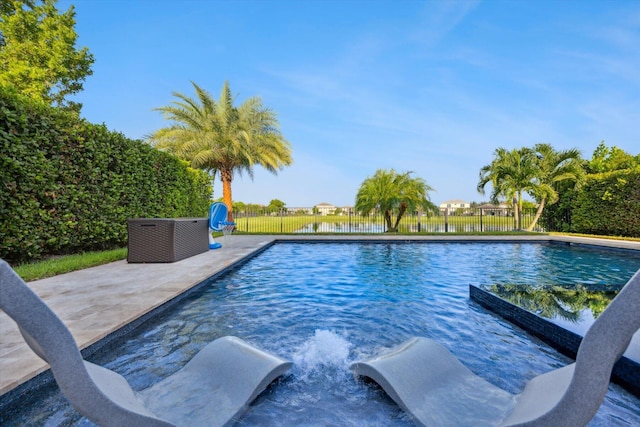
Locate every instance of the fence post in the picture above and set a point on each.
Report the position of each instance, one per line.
(446, 220)
(418, 220)
(481, 220)
(281, 220)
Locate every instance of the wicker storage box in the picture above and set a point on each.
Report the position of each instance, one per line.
(166, 239)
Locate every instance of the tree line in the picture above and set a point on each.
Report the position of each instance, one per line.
(548, 176)
(602, 194)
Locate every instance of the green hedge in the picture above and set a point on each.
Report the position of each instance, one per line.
(68, 185)
(608, 204)
(557, 217)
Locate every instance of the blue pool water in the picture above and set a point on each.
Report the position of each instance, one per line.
(324, 306)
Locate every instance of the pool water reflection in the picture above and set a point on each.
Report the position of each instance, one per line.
(574, 307)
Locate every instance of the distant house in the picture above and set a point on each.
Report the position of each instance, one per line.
(299, 211)
(501, 209)
(346, 210)
(325, 208)
(320, 209)
(455, 204)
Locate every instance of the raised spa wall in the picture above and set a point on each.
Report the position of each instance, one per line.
(626, 371)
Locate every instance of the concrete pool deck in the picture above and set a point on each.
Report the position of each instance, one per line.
(98, 301)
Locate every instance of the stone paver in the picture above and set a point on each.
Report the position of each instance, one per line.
(99, 300)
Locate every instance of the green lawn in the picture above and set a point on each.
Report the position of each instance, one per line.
(67, 263)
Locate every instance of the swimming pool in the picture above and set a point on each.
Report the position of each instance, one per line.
(326, 305)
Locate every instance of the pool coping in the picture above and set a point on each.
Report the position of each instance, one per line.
(192, 274)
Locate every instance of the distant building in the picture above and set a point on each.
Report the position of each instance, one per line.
(299, 211)
(325, 208)
(501, 209)
(321, 209)
(346, 210)
(455, 204)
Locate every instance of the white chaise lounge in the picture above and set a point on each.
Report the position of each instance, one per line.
(213, 389)
(429, 383)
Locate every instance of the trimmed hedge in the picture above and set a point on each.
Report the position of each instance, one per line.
(608, 204)
(68, 185)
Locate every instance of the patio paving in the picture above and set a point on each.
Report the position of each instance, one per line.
(98, 301)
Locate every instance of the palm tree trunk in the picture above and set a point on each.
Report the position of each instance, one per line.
(402, 210)
(226, 176)
(516, 220)
(538, 213)
(387, 220)
(519, 210)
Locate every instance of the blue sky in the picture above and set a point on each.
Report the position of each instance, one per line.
(432, 87)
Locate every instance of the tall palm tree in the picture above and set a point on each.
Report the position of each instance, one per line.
(511, 173)
(218, 137)
(390, 192)
(553, 167)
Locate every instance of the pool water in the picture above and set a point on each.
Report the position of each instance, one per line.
(326, 305)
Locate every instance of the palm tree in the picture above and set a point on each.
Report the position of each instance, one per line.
(217, 136)
(390, 192)
(553, 167)
(511, 173)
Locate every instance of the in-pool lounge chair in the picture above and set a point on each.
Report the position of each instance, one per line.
(212, 389)
(218, 222)
(429, 383)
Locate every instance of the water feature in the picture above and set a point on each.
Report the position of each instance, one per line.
(325, 305)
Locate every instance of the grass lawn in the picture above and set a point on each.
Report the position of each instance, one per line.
(67, 263)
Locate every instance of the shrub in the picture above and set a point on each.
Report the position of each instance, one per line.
(69, 185)
(608, 204)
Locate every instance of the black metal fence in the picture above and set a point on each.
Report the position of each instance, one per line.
(310, 220)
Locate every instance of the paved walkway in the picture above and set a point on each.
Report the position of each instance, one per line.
(99, 300)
